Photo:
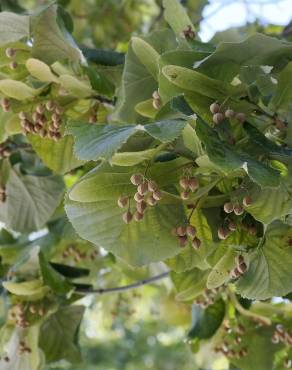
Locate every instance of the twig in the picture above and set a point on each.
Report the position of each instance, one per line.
(124, 287)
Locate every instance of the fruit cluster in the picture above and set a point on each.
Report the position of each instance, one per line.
(11, 53)
(2, 194)
(231, 346)
(148, 194)
(21, 313)
(282, 335)
(72, 251)
(45, 121)
(186, 234)
(241, 267)
(207, 298)
(189, 184)
(156, 103)
(219, 114)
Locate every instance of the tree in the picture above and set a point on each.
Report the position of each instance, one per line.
(173, 160)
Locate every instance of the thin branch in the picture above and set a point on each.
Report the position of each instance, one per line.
(123, 288)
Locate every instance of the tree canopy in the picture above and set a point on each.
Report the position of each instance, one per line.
(165, 162)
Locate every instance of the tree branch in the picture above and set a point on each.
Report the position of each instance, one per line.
(122, 288)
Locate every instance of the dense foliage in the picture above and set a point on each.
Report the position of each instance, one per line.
(178, 152)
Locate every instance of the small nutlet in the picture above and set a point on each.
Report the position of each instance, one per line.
(136, 179)
(218, 118)
(222, 233)
(238, 210)
(242, 268)
(241, 117)
(157, 195)
(10, 52)
(183, 241)
(185, 195)
(239, 259)
(247, 201)
(184, 183)
(138, 197)
(156, 104)
(191, 231)
(142, 188)
(127, 217)
(196, 243)
(181, 231)
(232, 226)
(156, 95)
(13, 65)
(152, 186)
(229, 113)
(151, 201)
(193, 184)
(214, 108)
(138, 216)
(141, 206)
(228, 207)
(123, 201)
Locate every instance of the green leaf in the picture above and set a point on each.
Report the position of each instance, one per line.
(17, 90)
(58, 156)
(92, 209)
(13, 27)
(146, 54)
(133, 158)
(40, 70)
(269, 272)
(189, 284)
(58, 335)
(176, 16)
(49, 43)
(205, 322)
(282, 98)
(261, 350)
(93, 142)
(258, 49)
(31, 200)
(75, 87)
(138, 84)
(220, 273)
(228, 159)
(52, 278)
(103, 57)
(191, 80)
(33, 289)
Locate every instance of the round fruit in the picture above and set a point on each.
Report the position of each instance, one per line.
(232, 226)
(218, 118)
(242, 268)
(156, 104)
(184, 183)
(183, 241)
(136, 179)
(142, 188)
(222, 233)
(241, 117)
(156, 95)
(229, 113)
(151, 201)
(214, 108)
(191, 231)
(196, 243)
(239, 259)
(152, 186)
(181, 231)
(138, 216)
(185, 195)
(193, 184)
(238, 210)
(157, 195)
(141, 206)
(127, 217)
(138, 197)
(247, 201)
(123, 201)
(228, 207)
(10, 52)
